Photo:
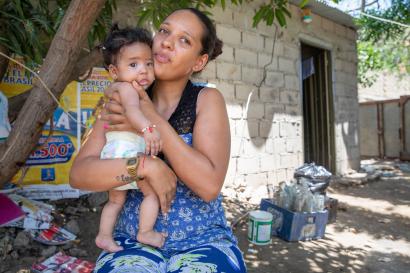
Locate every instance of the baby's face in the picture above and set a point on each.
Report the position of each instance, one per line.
(134, 63)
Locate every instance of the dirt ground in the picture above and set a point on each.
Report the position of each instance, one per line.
(371, 234)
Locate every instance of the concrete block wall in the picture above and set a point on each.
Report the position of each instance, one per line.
(268, 145)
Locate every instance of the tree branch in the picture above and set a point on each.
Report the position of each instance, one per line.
(56, 70)
(85, 63)
(363, 6)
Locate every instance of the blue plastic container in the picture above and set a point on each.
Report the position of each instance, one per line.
(295, 226)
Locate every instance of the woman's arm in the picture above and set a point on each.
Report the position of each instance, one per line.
(89, 172)
(202, 167)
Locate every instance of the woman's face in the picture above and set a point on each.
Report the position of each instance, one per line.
(177, 46)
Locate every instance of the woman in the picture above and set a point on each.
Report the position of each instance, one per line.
(194, 128)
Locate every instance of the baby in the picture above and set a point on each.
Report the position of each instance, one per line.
(128, 57)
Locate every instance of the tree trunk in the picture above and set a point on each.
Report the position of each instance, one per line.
(56, 71)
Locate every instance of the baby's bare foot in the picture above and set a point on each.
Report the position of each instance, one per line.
(151, 238)
(107, 243)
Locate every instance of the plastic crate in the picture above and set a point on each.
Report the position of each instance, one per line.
(295, 226)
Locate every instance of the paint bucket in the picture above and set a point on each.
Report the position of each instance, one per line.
(260, 227)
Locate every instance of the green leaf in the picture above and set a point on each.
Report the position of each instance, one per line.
(269, 17)
(286, 11)
(257, 17)
(143, 17)
(19, 9)
(281, 18)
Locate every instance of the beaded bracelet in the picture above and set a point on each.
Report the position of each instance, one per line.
(149, 128)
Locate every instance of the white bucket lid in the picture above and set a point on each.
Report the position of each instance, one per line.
(261, 215)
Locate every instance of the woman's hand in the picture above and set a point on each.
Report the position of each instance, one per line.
(146, 104)
(161, 178)
(113, 115)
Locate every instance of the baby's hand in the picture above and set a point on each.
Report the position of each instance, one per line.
(153, 143)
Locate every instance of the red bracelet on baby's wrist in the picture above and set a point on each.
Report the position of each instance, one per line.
(149, 128)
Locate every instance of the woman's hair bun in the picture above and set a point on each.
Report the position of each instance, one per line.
(217, 49)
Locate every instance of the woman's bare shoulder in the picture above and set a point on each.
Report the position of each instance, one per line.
(209, 98)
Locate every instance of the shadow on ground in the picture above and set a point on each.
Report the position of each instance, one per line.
(362, 240)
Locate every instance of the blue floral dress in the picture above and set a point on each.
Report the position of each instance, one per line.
(199, 238)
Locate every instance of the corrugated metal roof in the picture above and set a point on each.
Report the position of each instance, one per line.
(329, 12)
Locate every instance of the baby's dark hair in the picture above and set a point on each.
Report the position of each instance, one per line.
(211, 44)
(118, 38)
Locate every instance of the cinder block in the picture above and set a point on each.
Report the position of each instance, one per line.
(293, 145)
(252, 75)
(283, 129)
(269, 60)
(227, 54)
(229, 35)
(268, 163)
(294, 110)
(232, 127)
(328, 25)
(209, 72)
(232, 167)
(338, 65)
(340, 30)
(234, 110)
(268, 46)
(272, 178)
(289, 97)
(275, 79)
(288, 160)
(243, 20)
(256, 180)
(252, 40)
(292, 82)
(244, 56)
(287, 65)
(268, 129)
(242, 91)
(248, 165)
(269, 94)
(247, 129)
(269, 146)
(280, 175)
(291, 52)
(279, 145)
(236, 147)
(222, 16)
(227, 89)
(228, 71)
(256, 110)
(254, 147)
(273, 109)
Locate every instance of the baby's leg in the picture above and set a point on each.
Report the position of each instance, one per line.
(148, 215)
(109, 216)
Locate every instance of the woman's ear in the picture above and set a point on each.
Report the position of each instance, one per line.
(200, 63)
(113, 71)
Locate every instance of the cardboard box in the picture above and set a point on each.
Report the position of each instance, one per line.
(295, 226)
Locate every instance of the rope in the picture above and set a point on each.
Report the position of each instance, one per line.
(43, 83)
